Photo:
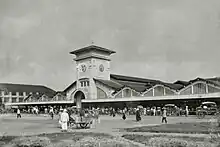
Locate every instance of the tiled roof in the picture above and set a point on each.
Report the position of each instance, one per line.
(27, 88)
(110, 83)
(92, 47)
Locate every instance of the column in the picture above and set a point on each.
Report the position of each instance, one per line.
(10, 97)
(153, 91)
(206, 88)
(164, 91)
(17, 99)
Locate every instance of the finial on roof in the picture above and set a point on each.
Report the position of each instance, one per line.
(92, 42)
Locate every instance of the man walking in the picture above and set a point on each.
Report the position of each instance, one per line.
(164, 115)
(64, 120)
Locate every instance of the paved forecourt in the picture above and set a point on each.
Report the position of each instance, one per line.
(31, 124)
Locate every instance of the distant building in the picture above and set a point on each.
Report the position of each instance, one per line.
(95, 85)
(14, 93)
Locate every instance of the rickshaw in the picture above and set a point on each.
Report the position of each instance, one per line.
(79, 118)
(171, 109)
(206, 108)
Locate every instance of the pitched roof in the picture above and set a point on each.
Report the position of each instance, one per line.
(110, 83)
(184, 83)
(134, 79)
(92, 47)
(71, 85)
(140, 87)
(35, 96)
(173, 86)
(27, 88)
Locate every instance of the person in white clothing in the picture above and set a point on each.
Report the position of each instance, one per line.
(64, 120)
(18, 113)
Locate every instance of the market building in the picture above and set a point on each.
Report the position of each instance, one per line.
(96, 86)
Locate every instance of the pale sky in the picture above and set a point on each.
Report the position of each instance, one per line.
(163, 39)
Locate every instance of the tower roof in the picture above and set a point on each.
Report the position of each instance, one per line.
(92, 47)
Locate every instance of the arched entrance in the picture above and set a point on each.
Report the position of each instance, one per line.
(79, 95)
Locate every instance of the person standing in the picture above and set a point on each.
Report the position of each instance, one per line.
(64, 120)
(187, 111)
(59, 119)
(51, 112)
(164, 115)
(138, 115)
(18, 113)
(154, 111)
(123, 114)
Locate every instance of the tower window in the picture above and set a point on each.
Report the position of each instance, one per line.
(84, 83)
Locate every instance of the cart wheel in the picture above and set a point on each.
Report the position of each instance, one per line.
(83, 125)
(201, 115)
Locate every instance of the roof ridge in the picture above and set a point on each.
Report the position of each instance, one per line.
(141, 78)
(23, 84)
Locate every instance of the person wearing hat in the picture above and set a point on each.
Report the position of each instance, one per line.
(64, 120)
(59, 119)
(164, 115)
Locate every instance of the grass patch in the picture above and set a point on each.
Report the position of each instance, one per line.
(76, 139)
(173, 141)
(203, 128)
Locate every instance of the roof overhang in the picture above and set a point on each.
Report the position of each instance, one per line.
(39, 103)
(92, 48)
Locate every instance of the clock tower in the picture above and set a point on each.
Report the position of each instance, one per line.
(91, 62)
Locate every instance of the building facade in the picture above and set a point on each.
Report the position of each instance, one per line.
(15, 93)
(95, 84)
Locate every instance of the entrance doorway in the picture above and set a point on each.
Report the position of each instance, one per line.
(78, 97)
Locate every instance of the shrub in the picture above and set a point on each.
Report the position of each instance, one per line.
(167, 142)
(31, 142)
(176, 142)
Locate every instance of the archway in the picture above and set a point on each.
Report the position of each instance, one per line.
(79, 95)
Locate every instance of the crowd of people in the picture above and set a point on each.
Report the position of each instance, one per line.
(68, 115)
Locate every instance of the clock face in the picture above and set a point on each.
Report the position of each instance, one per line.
(101, 68)
(83, 67)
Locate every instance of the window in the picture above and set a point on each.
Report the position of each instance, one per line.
(134, 93)
(20, 93)
(21, 99)
(119, 95)
(101, 94)
(13, 93)
(6, 99)
(14, 100)
(199, 88)
(149, 93)
(213, 89)
(158, 91)
(187, 91)
(84, 83)
(1, 100)
(127, 93)
(169, 92)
